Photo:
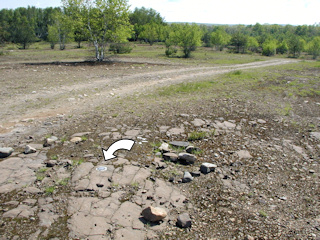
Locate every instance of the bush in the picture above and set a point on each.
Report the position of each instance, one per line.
(282, 48)
(269, 48)
(120, 48)
(171, 51)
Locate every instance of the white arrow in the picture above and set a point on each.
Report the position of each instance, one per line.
(126, 144)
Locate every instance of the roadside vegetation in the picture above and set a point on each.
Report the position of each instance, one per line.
(109, 26)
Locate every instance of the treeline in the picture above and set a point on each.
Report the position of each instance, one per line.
(109, 22)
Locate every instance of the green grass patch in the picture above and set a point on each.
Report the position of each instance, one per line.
(193, 136)
(183, 88)
(50, 190)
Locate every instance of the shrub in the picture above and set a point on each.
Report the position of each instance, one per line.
(171, 51)
(120, 48)
(269, 48)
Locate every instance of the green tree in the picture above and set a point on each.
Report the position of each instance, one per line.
(152, 32)
(239, 41)
(22, 31)
(220, 39)
(141, 17)
(252, 44)
(269, 48)
(186, 36)
(282, 47)
(313, 47)
(106, 21)
(295, 45)
(53, 36)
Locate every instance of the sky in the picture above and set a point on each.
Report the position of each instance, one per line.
(294, 12)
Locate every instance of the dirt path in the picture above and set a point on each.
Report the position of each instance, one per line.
(78, 97)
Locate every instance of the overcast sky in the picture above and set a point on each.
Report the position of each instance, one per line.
(295, 12)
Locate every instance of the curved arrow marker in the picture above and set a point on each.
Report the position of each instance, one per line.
(126, 144)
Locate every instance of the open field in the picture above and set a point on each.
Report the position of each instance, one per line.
(256, 118)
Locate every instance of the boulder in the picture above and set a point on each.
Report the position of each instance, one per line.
(154, 214)
(184, 220)
(6, 152)
(205, 168)
(187, 158)
(164, 147)
(179, 144)
(76, 139)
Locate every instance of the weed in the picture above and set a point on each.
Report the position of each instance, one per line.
(42, 170)
(63, 139)
(54, 157)
(193, 136)
(63, 182)
(49, 190)
(40, 177)
(263, 213)
(135, 185)
(84, 138)
(77, 162)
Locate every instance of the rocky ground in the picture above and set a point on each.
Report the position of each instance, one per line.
(211, 167)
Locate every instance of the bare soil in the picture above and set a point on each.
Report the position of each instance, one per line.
(271, 194)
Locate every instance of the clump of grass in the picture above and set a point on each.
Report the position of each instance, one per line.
(193, 136)
(84, 138)
(263, 213)
(42, 170)
(40, 177)
(237, 72)
(77, 162)
(63, 182)
(50, 190)
(54, 157)
(186, 88)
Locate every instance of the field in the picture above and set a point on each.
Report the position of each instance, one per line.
(255, 117)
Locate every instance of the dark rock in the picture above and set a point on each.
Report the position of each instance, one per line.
(195, 174)
(187, 177)
(51, 163)
(184, 220)
(172, 157)
(192, 149)
(205, 168)
(179, 144)
(187, 158)
(6, 152)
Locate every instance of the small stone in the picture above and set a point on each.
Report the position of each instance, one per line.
(315, 135)
(172, 157)
(311, 171)
(76, 139)
(198, 122)
(206, 168)
(187, 177)
(184, 220)
(49, 141)
(187, 158)
(154, 214)
(29, 150)
(51, 163)
(192, 149)
(261, 121)
(164, 147)
(6, 152)
(243, 154)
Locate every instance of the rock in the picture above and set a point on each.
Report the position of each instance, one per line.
(49, 141)
(179, 144)
(205, 168)
(6, 152)
(315, 135)
(187, 158)
(76, 139)
(243, 154)
(80, 134)
(192, 149)
(175, 131)
(195, 174)
(154, 214)
(51, 163)
(198, 122)
(29, 150)
(164, 147)
(172, 157)
(184, 220)
(32, 190)
(261, 121)
(187, 177)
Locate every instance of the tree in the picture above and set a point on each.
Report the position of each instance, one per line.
(252, 44)
(295, 45)
(282, 47)
(106, 21)
(186, 36)
(220, 38)
(63, 27)
(152, 32)
(53, 36)
(141, 17)
(239, 41)
(313, 47)
(269, 48)
(22, 31)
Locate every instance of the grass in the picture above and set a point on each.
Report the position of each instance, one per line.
(193, 136)
(50, 190)
(263, 213)
(77, 162)
(63, 182)
(184, 88)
